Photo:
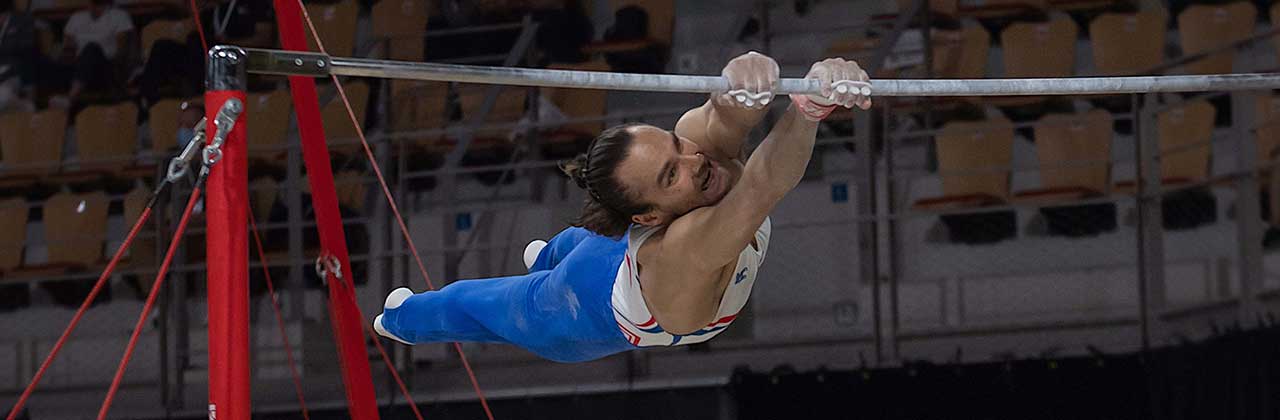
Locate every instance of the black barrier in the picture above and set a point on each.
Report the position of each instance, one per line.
(1234, 375)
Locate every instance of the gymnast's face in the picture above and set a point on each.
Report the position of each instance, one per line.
(671, 173)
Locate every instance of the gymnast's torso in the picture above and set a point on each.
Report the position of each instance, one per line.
(637, 321)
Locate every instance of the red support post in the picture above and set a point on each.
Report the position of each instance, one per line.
(348, 322)
(227, 241)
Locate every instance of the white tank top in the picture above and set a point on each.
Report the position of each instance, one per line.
(637, 323)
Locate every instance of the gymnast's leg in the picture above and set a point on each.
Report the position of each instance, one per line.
(539, 255)
(482, 310)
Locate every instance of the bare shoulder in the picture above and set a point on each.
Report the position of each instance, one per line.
(675, 246)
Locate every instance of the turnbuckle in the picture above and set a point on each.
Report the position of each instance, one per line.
(179, 164)
(225, 121)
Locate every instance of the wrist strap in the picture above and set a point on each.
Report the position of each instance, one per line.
(812, 111)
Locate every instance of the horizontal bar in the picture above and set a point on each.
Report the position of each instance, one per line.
(310, 64)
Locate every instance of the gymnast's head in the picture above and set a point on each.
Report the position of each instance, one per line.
(641, 174)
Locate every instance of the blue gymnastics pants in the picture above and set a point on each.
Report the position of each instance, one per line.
(560, 311)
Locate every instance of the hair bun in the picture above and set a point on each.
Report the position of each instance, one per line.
(577, 170)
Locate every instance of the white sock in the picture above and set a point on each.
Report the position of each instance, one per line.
(531, 252)
(394, 300)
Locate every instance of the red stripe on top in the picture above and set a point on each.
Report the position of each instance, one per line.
(646, 324)
(631, 337)
(726, 319)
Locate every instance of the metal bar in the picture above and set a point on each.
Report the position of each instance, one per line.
(1150, 232)
(890, 226)
(309, 64)
(868, 234)
(1249, 225)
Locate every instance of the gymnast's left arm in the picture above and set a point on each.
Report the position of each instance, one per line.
(722, 123)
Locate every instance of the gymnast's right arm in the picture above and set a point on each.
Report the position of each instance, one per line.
(713, 236)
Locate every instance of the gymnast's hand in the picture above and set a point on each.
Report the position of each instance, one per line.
(752, 79)
(844, 83)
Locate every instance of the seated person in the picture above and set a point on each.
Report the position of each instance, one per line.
(177, 68)
(93, 42)
(18, 55)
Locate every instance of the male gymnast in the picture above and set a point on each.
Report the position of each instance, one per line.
(670, 238)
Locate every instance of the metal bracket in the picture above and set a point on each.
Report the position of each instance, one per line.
(328, 264)
(288, 63)
(179, 164)
(225, 121)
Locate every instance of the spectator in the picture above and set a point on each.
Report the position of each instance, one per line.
(191, 114)
(631, 23)
(93, 40)
(177, 68)
(563, 32)
(18, 55)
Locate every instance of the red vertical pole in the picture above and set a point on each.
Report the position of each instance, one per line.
(344, 314)
(227, 242)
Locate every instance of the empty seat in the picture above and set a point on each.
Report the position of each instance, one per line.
(338, 128)
(403, 23)
(1038, 49)
(75, 228)
(106, 136)
(352, 191)
(31, 144)
(268, 123)
(1268, 133)
(961, 54)
(1274, 13)
(1185, 133)
(1203, 28)
(336, 26)
(974, 160)
(419, 106)
(1074, 151)
(1128, 43)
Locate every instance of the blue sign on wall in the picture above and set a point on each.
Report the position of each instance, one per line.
(462, 221)
(840, 192)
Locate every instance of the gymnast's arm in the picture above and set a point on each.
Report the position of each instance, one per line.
(721, 124)
(711, 237)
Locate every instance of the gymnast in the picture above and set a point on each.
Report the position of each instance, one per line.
(670, 238)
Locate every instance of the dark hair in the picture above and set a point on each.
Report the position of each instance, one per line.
(608, 207)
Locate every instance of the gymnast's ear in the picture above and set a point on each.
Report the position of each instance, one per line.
(653, 217)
